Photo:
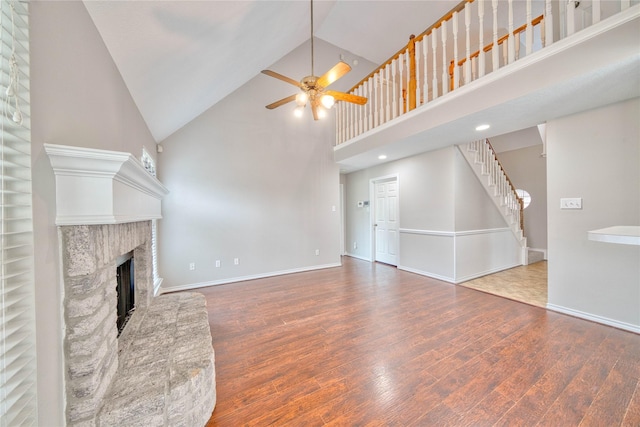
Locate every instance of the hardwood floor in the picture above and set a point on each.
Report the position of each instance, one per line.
(367, 344)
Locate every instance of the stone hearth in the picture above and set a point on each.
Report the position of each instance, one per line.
(160, 371)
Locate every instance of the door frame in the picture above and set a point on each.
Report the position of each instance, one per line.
(372, 212)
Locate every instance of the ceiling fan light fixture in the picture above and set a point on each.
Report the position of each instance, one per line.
(327, 101)
(299, 111)
(302, 98)
(322, 113)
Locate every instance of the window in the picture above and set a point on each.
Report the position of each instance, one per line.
(17, 330)
(525, 196)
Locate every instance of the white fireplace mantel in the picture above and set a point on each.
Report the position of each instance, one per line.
(102, 187)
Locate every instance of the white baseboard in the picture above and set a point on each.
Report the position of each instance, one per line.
(190, 286)
(427, 274)
(544, 252)
(358, 257)
(595, 318)
(484, 273)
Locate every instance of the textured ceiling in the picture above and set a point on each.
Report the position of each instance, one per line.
(179, 58)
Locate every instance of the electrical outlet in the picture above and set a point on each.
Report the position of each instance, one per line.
(217, 263)
(317, 252)
(355, 245)
(571, 203)
(236, 261)
(192, 266)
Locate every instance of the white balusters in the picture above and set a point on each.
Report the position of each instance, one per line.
(401, 84)
(571, 16)
(455, 75)
(387, 89)
(511, 39)
(370, 121)
(445, 67)
(394, 84)
(494, 50)
(418, 48)
(387, 101)
(529, 31)
(407, 77)
(467, 24)
(361, 117)
(481, 63)
(425, 84)
(548, 23)
(434, 46)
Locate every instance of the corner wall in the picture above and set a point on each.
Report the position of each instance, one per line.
(595, 155)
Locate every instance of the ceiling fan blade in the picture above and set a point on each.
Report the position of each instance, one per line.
(338, 70)
(281, 102)
(314, 109)
(341, 96)
(281, 77)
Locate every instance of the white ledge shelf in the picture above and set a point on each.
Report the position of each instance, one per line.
(102, 187)
(621, 234)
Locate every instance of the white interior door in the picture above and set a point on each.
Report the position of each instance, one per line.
(386, 221)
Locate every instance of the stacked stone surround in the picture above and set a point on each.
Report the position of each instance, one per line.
(167, 365)
(92, 349)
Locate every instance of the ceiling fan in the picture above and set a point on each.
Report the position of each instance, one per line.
(313, 88)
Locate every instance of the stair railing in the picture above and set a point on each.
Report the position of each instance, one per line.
(440, 59)
(498, 178)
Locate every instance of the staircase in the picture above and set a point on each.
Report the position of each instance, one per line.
(482, 159)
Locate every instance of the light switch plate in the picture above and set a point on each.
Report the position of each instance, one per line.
(571, 203)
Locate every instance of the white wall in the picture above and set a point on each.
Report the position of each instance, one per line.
(77, 98)
(595, 155)
(254, 184)
(527, 169)
(449, 228)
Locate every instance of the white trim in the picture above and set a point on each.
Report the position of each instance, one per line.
(595, 318)
(485, 273)
(245, 278)
(102, 187)
(447, 279)
(372, 211)
(544, 252)
(358, 257)
(427, 232)
(454, 233)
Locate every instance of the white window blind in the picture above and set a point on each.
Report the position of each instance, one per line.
(17, 330)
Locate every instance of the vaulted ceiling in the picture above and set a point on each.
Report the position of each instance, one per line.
(179, 58)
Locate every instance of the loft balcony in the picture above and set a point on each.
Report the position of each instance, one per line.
(512, 64)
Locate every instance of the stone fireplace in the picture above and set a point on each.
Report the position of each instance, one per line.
(160, 371)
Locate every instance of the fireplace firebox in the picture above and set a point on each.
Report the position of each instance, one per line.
(125, 289)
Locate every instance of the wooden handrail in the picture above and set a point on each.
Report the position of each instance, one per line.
(513, 187)
(502, 39)
(412, 40)
(489, 47)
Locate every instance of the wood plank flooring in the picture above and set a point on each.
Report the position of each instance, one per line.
(367, 344)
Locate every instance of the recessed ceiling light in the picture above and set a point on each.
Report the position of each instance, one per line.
(382, 156)
(482, 127)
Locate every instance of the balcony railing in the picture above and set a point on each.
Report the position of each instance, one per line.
(474, 39)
